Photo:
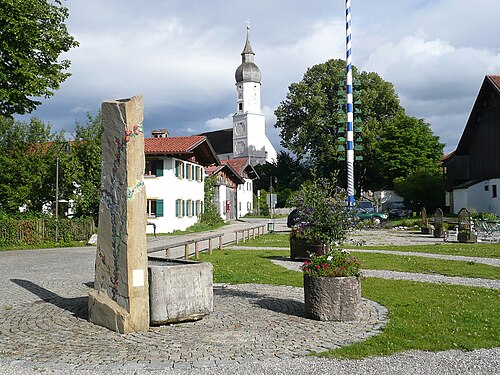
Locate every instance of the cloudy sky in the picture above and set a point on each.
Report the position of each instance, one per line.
(181, 55)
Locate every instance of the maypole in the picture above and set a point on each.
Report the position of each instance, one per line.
(350, 115)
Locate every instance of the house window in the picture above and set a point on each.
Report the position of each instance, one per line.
(154, 167)
(493, 191)
(179, 169)
(178, 208)
(486, 187)
(189, 207)
(154, 208)
(199, 208)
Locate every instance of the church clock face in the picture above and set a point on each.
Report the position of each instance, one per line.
(240, 129)
(240, 147)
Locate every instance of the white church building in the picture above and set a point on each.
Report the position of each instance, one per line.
(247, 138)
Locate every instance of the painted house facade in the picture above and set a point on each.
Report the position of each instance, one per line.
(225, 197)
(244, 195)
(473, 170)
(174, 180)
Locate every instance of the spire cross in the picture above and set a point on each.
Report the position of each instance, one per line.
(248, 24)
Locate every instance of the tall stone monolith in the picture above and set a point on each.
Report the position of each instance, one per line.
(120, 299)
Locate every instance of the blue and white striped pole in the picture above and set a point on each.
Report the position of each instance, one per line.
(350, 110)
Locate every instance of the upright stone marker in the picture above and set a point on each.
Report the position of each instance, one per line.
(120, 299)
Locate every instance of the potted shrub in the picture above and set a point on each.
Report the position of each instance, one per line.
(332, 288)
(321, 218)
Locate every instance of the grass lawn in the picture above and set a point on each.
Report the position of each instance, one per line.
(421, 315)
(43, 245)
(483, 250)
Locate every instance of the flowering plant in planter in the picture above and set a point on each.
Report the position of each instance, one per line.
(322, 215)
(336, 263)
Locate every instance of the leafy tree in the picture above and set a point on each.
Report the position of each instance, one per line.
(84, 170)
(32, 37)
(406, 144)
(422, 188)
(288, 172)
(210, 214)
(27, 165)
(311, 116)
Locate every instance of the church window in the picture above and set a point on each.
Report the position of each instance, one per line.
(240, 106)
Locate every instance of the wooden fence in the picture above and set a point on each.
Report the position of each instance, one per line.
(29, 231)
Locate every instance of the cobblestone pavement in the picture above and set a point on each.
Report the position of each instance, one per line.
(43, 322)
(254, 329)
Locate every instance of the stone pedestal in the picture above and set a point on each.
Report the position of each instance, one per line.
(332, 298)
(120, 299)
(179, 290)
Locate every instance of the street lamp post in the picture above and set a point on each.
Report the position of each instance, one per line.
(66, 151)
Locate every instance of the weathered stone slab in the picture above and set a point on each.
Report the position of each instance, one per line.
(120, 299)
(179, 290)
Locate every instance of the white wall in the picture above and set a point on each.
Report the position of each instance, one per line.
(222, 198)
(169, 188)
(478, 197)
(245, 197)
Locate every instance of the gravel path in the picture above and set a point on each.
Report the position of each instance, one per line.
(395, 275)
(452, 362)
(489, 261)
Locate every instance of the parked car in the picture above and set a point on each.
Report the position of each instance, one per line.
(366, 205)
(375, 217)
(398, 210)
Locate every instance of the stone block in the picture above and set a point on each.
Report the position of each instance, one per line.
(332, 298)
(179, 290)
(120, 300)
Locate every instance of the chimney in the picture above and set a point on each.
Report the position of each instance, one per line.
(160, 133)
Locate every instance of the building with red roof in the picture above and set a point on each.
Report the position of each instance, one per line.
(174, 180)
(473, 169)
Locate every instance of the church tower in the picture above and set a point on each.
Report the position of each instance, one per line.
(249, 124)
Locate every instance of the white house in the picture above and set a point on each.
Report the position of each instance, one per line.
(174, 180)
(244, 194)
(226, 194)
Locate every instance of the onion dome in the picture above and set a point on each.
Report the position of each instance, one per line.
(247, 71)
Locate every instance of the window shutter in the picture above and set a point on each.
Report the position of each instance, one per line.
(197, 173)
(159, 208)
(183, 208)
(176, 208)
(176, 169)
(192, 207)
(159, 168)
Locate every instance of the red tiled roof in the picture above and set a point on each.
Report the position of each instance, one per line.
(172, 145)
(212, 169)
(237, 164)
(496, 80)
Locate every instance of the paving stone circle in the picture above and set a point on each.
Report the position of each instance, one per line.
(249, 322)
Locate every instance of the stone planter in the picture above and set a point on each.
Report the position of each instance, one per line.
(425, 230)
(179, 290)
(301, 248)
(466, 237)
(332, 298)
